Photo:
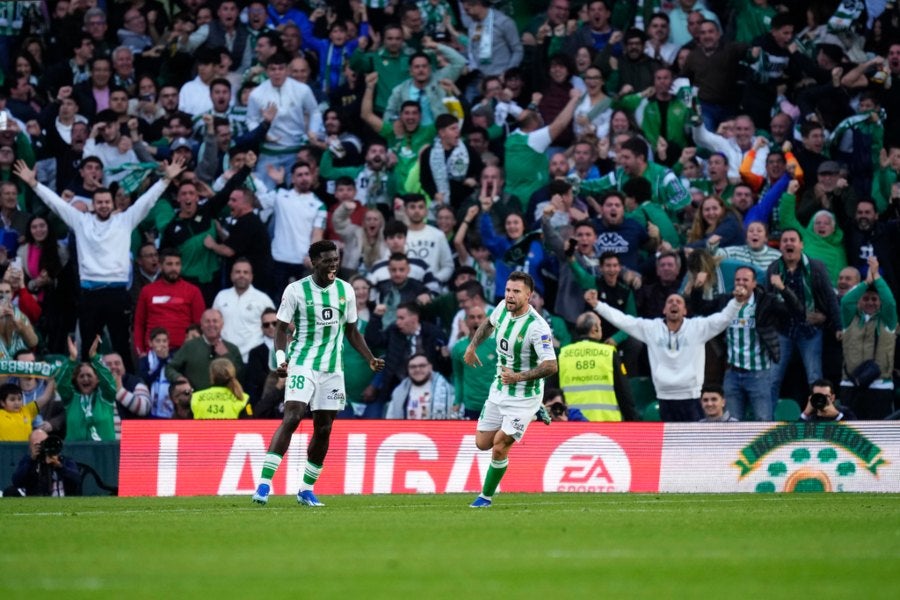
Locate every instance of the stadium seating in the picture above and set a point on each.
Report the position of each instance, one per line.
(651, 412)
(787, 410)
(643, 392)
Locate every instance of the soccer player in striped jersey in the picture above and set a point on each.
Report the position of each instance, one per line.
(322, 309)
(525, 357)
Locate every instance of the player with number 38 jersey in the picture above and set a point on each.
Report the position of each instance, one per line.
(318, 315)
(322, 309)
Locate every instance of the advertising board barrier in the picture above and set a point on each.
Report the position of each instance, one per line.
(190, 458)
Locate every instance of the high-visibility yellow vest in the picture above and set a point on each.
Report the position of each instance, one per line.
(586, 376)
(218, 402)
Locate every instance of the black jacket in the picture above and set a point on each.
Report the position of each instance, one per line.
(824, 298)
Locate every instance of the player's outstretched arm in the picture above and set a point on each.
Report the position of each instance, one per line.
(359, 344)
(545, 369)
(483, 332)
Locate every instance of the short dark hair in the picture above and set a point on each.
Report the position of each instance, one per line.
(636, 146)
(822, 382)
(220, 81)
(472, 288)
(8, 389)
(605, 256)
(319, 248)
(712, 388)
(583, 223)
(394, 228)
(411, 198)
(167, 252)
(298, 164)
(398, 256)
(797, 231)
(410, 104)
(559, 186)
(523, 277)
(780, 20)
(158, 331)
(412, 307)
(445, 120)
(279, 58)
(638, 188)
(344, 181)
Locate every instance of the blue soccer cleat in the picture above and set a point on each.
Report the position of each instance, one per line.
(262, 494)
(481, 502)
(308, 498)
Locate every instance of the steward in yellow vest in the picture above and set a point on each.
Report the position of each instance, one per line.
(592, 376)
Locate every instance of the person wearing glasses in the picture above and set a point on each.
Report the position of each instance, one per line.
(261, 359)
(422, 394)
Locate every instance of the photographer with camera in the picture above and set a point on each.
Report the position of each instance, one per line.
(869, 313)
(555, 404)
(820, 405)
(44, 471)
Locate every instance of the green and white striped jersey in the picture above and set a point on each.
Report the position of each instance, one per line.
(522, 344)
(745, 350)
(319, 315)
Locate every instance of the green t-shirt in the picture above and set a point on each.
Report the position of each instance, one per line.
(471, 385)
(407, 150)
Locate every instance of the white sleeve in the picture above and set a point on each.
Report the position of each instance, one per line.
(494, 317)
(66, 212)
(352, 315)
(288, 305)
(254, 111)
(630, 325)
(711, 326)
(540, 140)
(541, 340)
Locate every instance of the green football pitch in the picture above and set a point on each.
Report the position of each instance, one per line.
(525, 546)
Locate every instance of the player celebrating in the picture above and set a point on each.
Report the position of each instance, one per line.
(322, 309)
(524, 357)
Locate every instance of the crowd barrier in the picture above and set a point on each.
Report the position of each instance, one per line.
(187, 458)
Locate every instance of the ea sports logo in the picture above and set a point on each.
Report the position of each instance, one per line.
(589, 462)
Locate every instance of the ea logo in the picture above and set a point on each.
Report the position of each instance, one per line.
(589, 462)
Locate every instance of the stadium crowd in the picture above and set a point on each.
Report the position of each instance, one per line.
(165, 166)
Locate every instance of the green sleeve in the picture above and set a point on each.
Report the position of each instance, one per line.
(592, 186)
(24, 150)
(495, 132)
(614, 81)
(787, 213)
(560, 332)
(629, 102)
(888, 303)
(64, 386)
(360, 61)
(328, 171)
(881, 188)
(582, 277)
(877, 144)
(630, 309)
(458, 365)
(849, 302)
(657, 215)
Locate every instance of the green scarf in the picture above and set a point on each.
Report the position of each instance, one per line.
(807, 280)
